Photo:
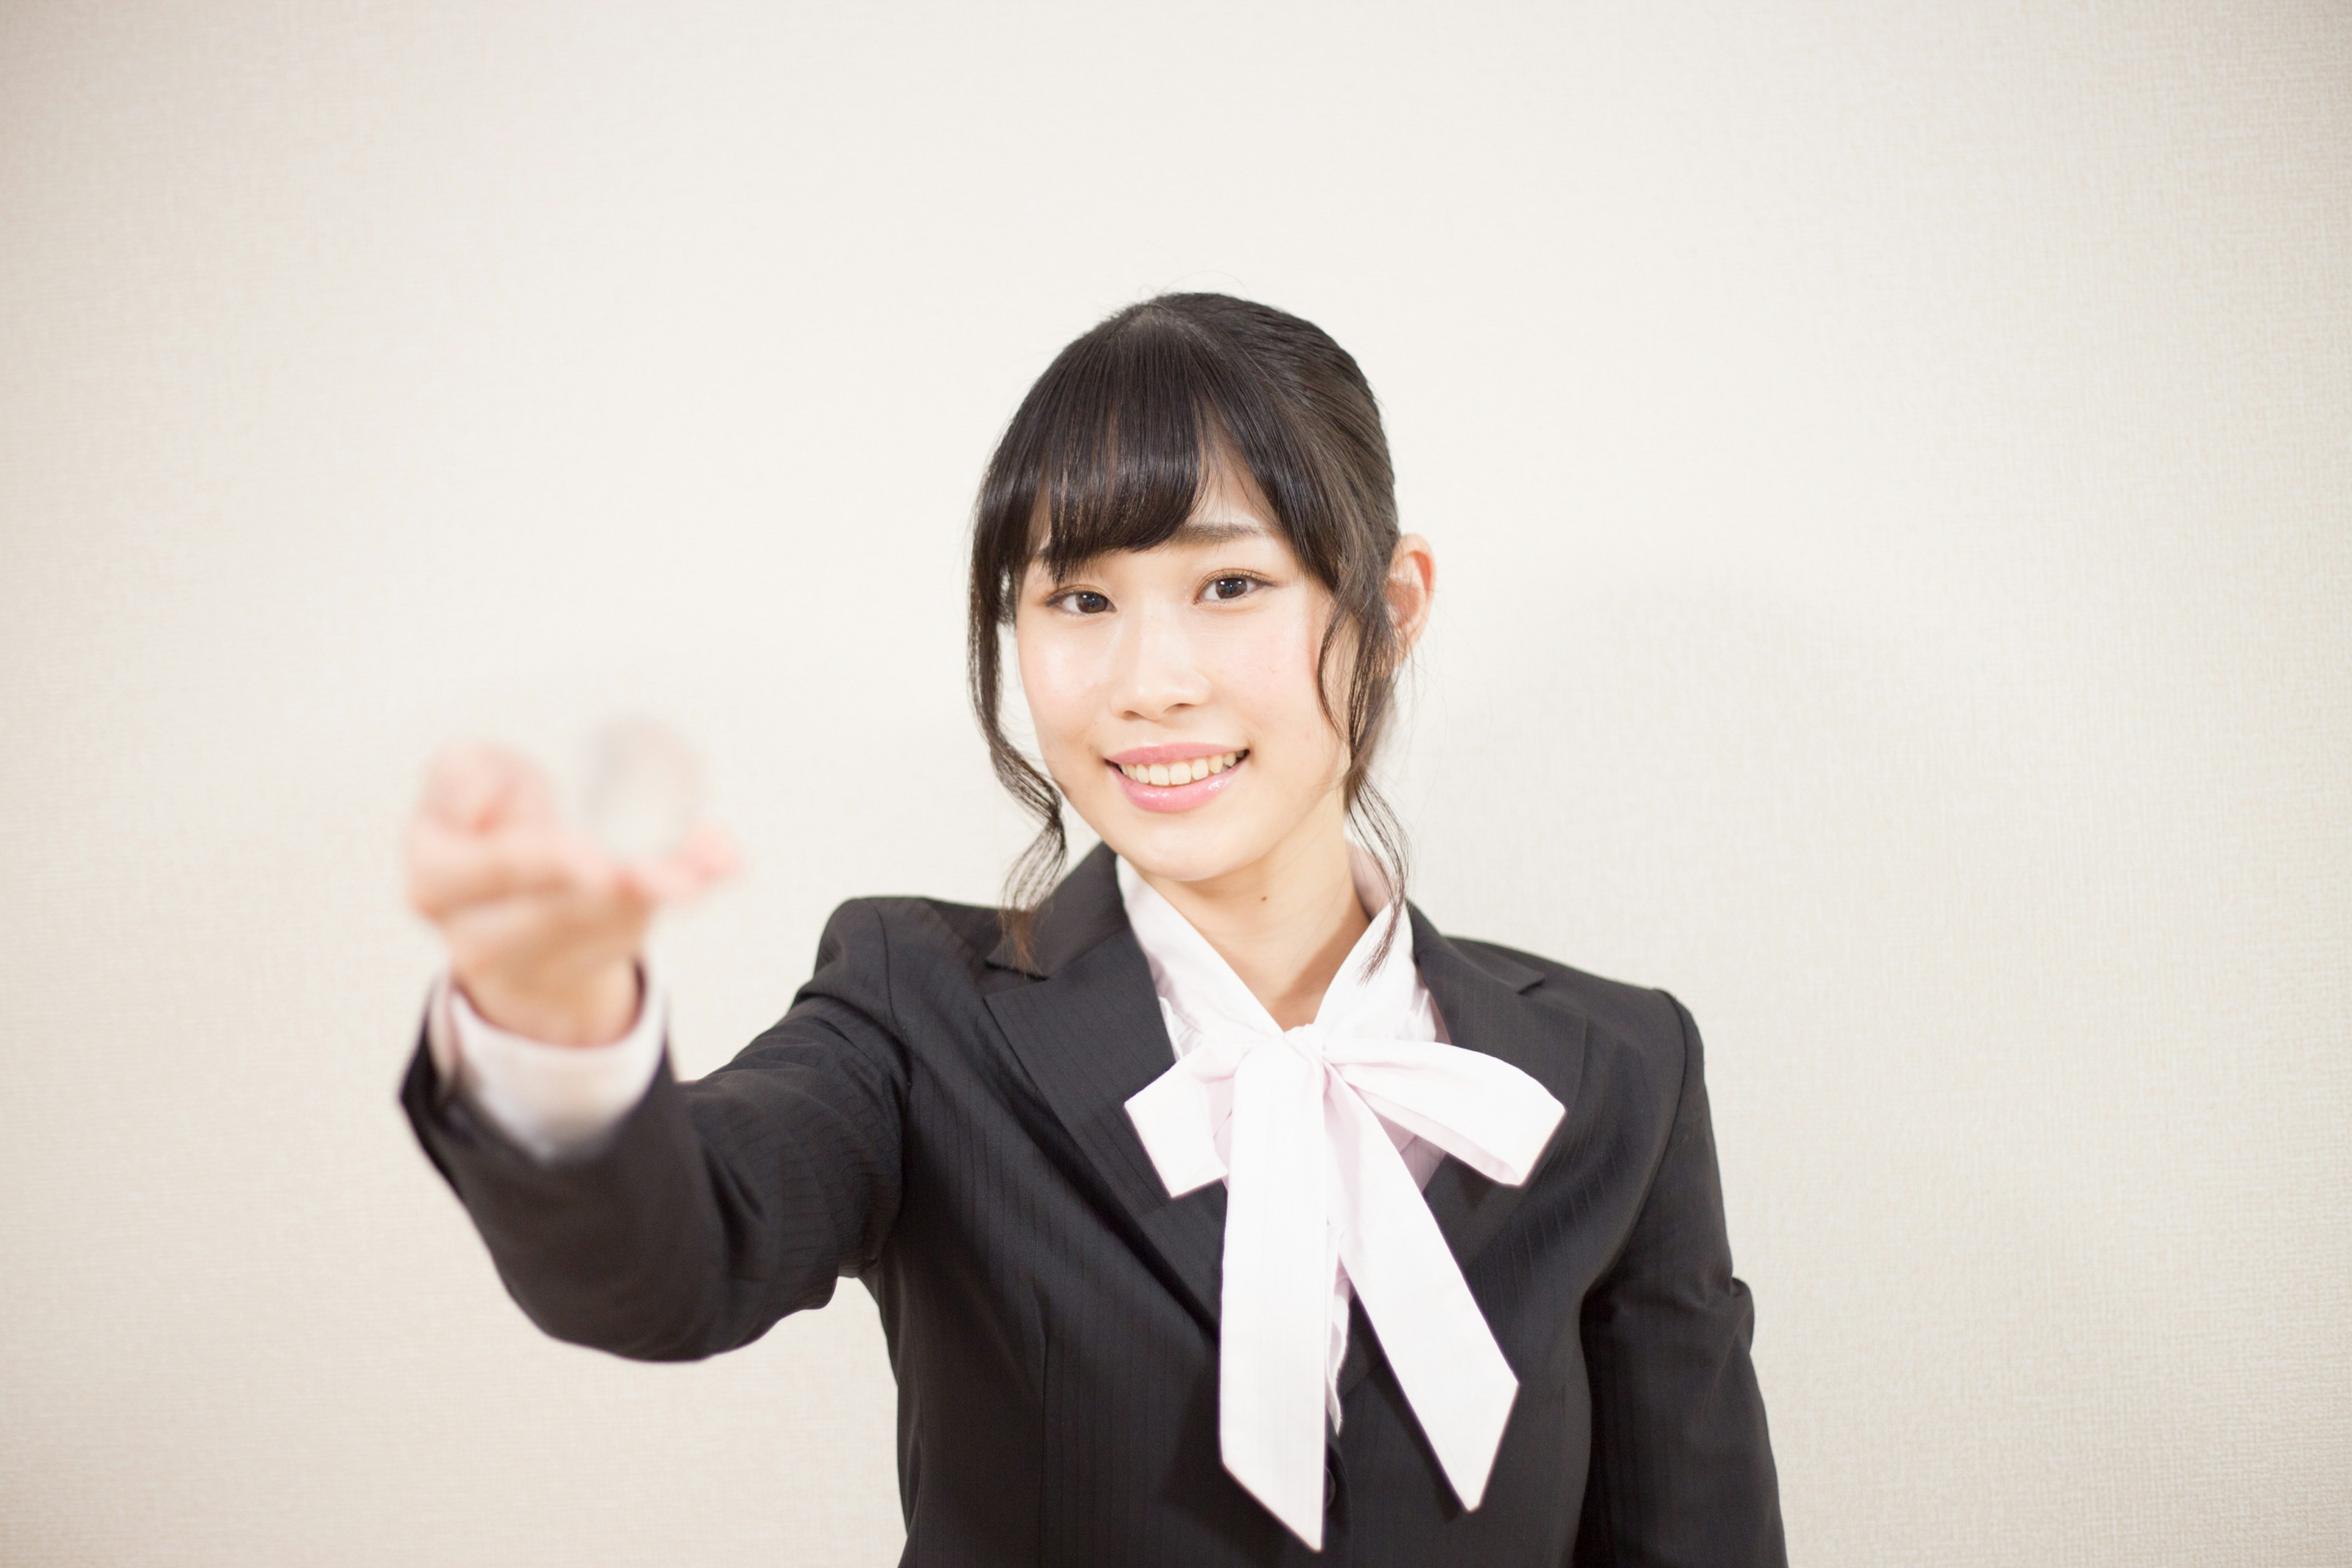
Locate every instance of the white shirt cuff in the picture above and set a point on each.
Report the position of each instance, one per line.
(556, 1101)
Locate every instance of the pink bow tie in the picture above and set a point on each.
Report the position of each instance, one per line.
(1315, 1182)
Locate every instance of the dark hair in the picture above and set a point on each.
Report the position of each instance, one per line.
(1119, 435)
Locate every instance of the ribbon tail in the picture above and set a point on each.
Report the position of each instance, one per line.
(1170, 1115)
(1436, 1338)
(1275, 1324)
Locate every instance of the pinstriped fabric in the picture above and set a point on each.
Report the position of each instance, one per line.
(948, 1127)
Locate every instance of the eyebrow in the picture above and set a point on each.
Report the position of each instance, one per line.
(1210, 531)
(1218, 530)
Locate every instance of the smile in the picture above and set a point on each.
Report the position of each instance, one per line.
(1179, 785)
(1183, 772)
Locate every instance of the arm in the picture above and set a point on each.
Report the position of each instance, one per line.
(715, 1207)
(1682, 1467)
(557, 1101)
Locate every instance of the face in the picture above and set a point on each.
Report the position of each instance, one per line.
(1173, 690)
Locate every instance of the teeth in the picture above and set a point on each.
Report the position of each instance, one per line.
(1166, 774)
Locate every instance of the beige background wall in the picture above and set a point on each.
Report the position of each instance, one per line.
(1891, 469)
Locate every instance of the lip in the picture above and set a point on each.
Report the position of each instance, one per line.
(1173, 751)
(1171, 797)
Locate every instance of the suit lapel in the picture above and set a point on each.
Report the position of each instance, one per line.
(1089, 1032)
(1484, 1009)
(1483, 1005)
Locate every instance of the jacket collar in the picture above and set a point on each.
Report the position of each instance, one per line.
(1078, 915)
(1089, 1032)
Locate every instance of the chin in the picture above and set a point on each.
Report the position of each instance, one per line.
(1178, 850)
(1183, 863)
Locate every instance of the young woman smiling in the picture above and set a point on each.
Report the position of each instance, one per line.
(1219, 1209)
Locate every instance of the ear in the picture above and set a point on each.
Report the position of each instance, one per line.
(1412, 586)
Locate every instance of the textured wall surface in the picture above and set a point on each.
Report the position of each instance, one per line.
(1891, 472)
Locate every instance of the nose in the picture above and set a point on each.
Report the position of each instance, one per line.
(1157, 673)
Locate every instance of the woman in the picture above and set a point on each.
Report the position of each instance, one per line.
(1219, 1210)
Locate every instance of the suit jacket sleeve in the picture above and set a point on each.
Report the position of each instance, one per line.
(1682, 1467)
(717, 1206)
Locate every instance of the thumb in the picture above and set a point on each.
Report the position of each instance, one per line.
(707, 857)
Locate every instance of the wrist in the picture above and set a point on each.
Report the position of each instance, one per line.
(597, 1009)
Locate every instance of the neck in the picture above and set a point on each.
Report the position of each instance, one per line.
(1285, 922)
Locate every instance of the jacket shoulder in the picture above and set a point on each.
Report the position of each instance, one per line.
(1635, 1015)
(1642, 1051)
(914, 936)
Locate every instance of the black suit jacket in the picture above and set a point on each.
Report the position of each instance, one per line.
(948, 1125)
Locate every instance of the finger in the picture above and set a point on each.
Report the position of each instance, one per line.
(460, 781)
(473, 785)
(707, 856)
(685, 873)
(450, 870)
(713, 848)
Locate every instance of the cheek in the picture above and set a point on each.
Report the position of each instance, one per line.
(1268, 672)
(1059, 681)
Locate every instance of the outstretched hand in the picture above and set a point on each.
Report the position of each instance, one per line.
(544, 926)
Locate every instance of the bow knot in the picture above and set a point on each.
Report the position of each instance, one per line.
(1317, 1184)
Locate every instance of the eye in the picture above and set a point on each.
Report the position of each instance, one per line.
(1225, 588)
(1081, 601)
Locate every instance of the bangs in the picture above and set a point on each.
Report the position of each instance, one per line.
(1116, 446)
(1126, 453)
